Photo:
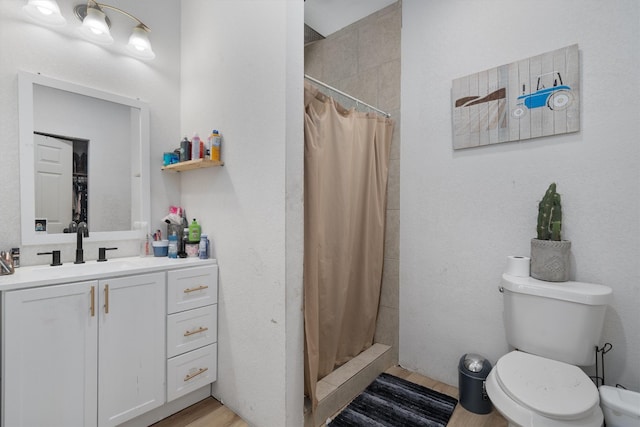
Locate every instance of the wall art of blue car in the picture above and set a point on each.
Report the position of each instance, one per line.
(550, 92)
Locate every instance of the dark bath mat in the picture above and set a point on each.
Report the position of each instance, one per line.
(390, 401)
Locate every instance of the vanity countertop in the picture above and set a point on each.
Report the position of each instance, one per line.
(43, 275)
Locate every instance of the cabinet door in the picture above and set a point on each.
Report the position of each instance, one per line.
(49, 362)
(131, 344)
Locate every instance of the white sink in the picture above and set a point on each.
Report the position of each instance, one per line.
(40, 275)
(78, 270)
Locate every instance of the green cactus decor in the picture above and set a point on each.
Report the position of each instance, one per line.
(550, 215)
(550, 255)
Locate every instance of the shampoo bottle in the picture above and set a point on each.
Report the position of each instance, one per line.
(194, 231)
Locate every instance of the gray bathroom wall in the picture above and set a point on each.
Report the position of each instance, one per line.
(363, 60)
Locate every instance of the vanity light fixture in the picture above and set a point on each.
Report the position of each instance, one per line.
(45, 12)
(96, 24)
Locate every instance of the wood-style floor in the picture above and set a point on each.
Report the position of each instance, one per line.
(211, 413)
(206, 413)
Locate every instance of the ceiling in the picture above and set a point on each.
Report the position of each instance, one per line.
(328, 16)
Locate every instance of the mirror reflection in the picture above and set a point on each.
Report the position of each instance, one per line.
(61, 183)
(106, 128)
(82, 155)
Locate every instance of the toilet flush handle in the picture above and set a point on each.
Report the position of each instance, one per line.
(501, 289)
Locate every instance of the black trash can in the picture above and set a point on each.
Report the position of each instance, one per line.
(473, 370)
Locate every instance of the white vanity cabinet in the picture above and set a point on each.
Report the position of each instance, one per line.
(103, 344)
(192, 329)
(72, 351)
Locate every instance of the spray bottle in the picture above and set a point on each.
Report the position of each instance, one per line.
(185, 148)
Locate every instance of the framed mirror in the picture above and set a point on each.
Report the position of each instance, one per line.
(84, 156)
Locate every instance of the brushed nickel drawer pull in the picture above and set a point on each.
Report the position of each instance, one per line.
(196, 331)
(199, 288)
(195, 374)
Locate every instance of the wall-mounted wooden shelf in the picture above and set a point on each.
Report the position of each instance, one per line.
(192, 164)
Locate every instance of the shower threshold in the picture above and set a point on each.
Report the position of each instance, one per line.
(338, 388)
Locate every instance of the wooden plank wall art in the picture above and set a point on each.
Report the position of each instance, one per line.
(534, 97)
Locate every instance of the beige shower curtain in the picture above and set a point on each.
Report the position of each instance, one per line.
(345, 184)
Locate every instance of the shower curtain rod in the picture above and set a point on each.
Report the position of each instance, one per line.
(384, 113)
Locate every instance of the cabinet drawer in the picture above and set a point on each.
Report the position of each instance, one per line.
(191, 329)
(192, 288)
(190, 371)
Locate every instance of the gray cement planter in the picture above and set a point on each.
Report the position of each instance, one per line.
(550, 260)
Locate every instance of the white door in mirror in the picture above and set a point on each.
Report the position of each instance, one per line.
(53, 181)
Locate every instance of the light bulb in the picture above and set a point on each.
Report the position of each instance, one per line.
(139, 44)
(45, 12)
(94, 27)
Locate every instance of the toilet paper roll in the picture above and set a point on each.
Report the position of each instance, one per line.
(518, 266)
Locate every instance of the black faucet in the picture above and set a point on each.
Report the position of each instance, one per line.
(83, 230)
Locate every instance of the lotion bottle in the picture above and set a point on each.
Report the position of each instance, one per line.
(216, 142)
(195, 147)
(203, 253)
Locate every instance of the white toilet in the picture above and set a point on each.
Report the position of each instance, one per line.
(554, 327)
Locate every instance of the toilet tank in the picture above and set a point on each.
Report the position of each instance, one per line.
(558, 320)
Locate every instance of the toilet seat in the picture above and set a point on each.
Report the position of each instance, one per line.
(550, 388)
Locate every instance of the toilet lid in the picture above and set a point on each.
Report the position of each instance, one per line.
(551, 388)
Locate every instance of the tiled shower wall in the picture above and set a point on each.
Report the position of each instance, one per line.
(363, 60)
